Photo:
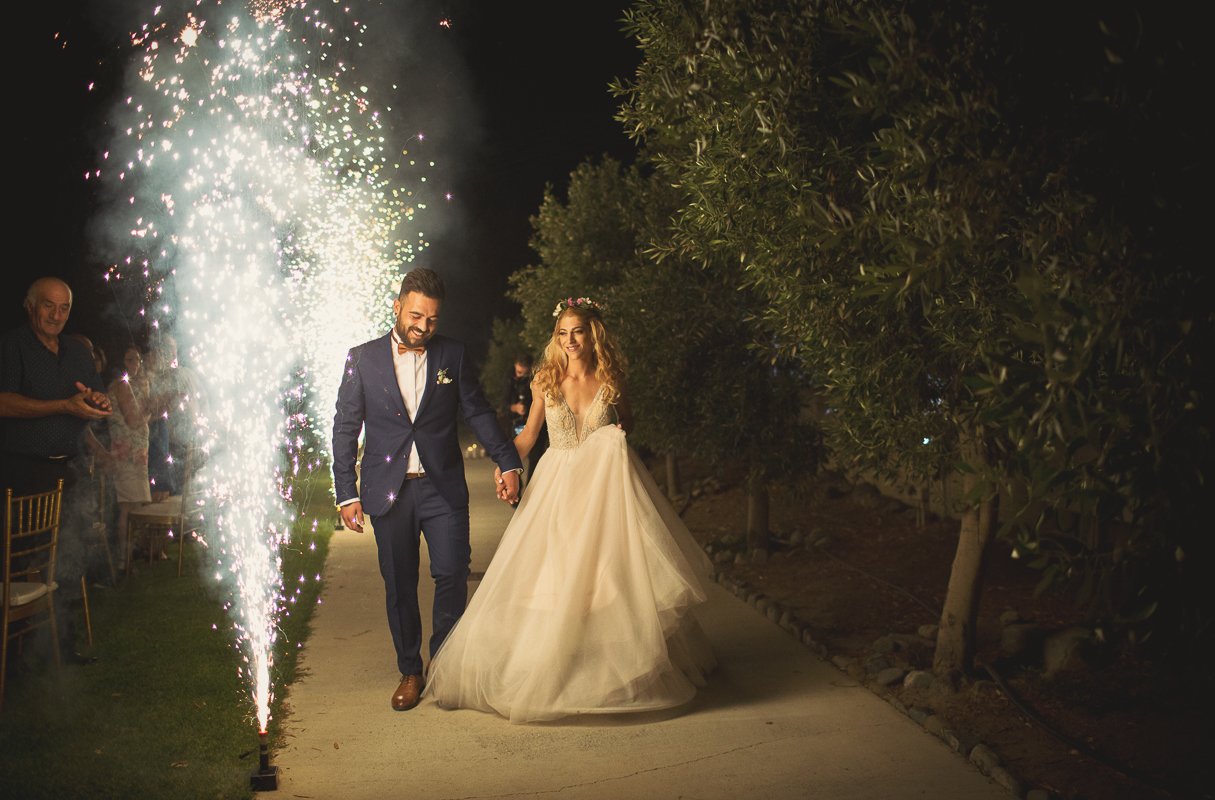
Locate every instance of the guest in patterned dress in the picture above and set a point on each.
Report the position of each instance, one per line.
(129, 438)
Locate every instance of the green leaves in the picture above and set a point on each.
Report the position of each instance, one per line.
(971, 196)
(706, 375)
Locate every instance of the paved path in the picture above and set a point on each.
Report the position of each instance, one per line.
(775, 722)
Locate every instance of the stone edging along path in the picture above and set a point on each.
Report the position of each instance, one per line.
(977, 753)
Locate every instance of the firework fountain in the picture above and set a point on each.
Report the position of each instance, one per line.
(265, 217)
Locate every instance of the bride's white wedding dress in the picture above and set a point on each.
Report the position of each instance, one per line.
(586, 607)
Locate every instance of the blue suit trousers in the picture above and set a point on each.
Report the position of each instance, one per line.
(419, 509)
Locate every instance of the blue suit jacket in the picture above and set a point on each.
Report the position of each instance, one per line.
(369, 397)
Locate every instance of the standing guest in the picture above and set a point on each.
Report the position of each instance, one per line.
(96, 436)
(88, 343)
(97, 461)
(49, 392)
(99, 359)
(517, 404)
(182, 403)
(129, 439)
(158, 378)
(407, 389)
(518, 395)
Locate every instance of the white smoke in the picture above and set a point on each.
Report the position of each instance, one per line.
(266, 212)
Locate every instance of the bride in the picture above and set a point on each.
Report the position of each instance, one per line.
(586, 607)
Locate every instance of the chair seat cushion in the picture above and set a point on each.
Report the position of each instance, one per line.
(24, 592)
(166, 510)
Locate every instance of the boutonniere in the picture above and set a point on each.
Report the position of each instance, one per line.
(441, 377)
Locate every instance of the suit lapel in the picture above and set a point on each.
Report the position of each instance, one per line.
(381, 359)
(434, 354)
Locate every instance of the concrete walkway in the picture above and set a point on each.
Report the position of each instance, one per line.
(775, 722)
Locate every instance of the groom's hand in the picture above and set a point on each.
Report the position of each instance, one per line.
(352, 516)
(507, 485)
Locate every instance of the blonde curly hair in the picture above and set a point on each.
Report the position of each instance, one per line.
(606, 359)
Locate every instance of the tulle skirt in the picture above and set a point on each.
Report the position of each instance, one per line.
(587, 605)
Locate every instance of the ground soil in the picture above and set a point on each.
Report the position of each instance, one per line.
(882, 573)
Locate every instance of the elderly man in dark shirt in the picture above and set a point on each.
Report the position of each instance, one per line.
(49, 392)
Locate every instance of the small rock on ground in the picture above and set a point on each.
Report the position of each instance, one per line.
(890, 676)
(885, 645)
(983, 758)
(1009, 616)
(984, 689)
(1066, 650)
(1020, 640)
(1007, 780)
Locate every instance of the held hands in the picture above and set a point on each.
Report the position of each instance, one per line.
(352, 516)
(507, 485)
(88, 404)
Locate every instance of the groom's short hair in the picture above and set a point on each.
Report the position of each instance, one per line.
(424, 281)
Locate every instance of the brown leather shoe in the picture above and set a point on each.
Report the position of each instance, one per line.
(407, 694)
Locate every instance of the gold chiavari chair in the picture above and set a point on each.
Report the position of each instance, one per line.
(31, 540)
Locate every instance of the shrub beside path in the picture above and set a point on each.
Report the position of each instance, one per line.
(775, 722)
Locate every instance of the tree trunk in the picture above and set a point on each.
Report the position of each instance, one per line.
(673, 483)
(956, 633)
(757, 516)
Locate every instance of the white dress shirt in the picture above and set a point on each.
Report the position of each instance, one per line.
(410, 369)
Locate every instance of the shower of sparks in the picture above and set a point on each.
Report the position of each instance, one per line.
(265, 216)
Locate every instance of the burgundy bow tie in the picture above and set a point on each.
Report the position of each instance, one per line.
(404, 348)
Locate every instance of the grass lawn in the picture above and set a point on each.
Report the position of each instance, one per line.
(162, 713)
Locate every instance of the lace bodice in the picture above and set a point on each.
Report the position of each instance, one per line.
(564, 431)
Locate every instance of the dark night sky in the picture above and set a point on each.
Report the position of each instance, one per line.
(522, 87)
(540, 73)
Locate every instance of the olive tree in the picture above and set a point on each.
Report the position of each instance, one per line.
(876, 173)
(702, 381)
(1102, 383)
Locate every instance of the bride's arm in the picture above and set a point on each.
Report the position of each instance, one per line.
(526, 440)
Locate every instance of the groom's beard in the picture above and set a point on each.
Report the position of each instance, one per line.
(412, 336)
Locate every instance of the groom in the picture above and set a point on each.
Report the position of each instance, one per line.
(405, 388)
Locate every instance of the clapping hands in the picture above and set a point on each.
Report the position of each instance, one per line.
(89, 404)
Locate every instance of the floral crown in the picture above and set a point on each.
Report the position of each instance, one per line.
(580, 303)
